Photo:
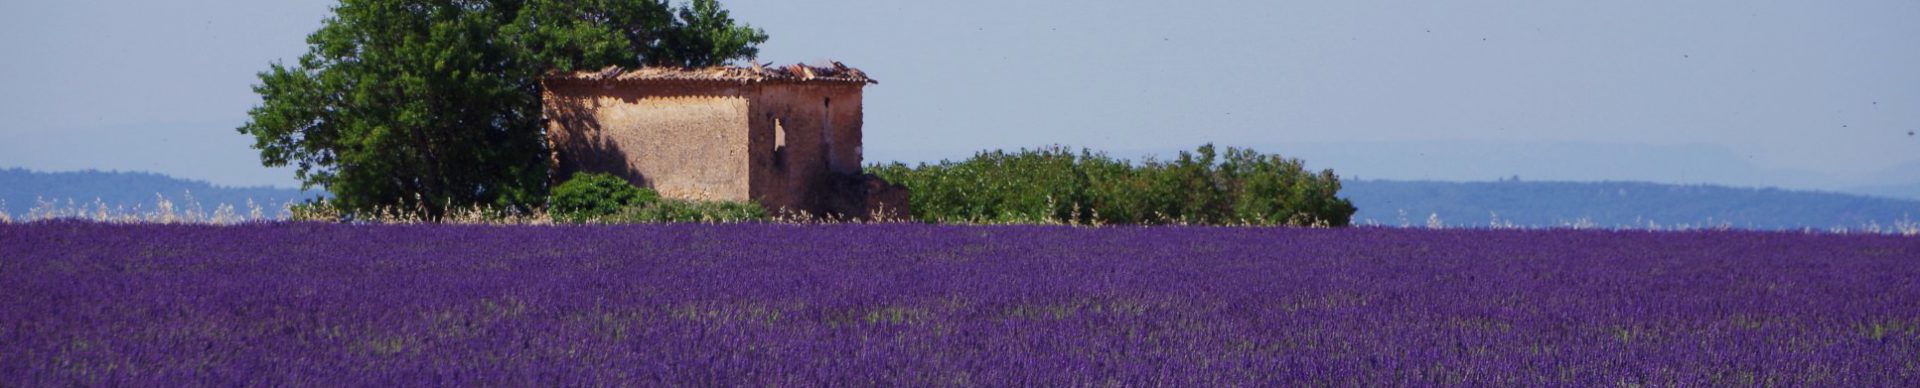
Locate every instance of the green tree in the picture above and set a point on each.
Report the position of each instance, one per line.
(422, 105)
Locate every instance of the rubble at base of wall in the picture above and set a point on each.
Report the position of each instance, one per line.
(865, 197)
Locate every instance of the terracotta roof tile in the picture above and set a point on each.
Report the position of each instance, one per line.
(836, 72)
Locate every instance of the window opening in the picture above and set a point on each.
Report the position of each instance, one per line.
(826, 132)
(779, 144)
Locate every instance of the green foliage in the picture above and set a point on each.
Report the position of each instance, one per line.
(1055, 184)
(434, 104)
(593, 196)
(673, 210)
(596, 197)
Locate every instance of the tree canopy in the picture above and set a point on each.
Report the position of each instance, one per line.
(423, 105)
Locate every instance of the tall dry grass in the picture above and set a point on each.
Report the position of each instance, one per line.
(163, 211)
(187, 211)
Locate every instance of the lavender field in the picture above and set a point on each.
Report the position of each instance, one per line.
(914, 305)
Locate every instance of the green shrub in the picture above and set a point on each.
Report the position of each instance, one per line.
(593, 196)
(1058, 185)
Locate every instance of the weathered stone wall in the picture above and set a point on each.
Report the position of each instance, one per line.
(887, 201)
(793, 125)
(685, 141)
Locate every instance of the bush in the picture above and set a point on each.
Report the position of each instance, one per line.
(593, 196)
(1057, 185)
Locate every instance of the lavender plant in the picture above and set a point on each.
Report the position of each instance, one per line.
(924, 305)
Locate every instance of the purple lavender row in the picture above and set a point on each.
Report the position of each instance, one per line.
(733, 305)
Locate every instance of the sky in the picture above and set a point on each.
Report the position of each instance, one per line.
(1816, 95)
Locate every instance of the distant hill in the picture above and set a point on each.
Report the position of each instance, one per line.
(1610, 204)
(1906, 191)
(23, 190)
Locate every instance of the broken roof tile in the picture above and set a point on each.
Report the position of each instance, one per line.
(836, 72)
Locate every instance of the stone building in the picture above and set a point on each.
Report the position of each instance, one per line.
(788, 137)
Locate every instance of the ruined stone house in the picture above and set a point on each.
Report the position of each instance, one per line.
(787, 137)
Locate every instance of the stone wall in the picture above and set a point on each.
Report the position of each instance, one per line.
(687, 141)
(793, 125)
(888, 201)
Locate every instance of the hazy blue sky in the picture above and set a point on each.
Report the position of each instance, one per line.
(1791, 93)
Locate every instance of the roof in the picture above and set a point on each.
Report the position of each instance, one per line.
(836, 72)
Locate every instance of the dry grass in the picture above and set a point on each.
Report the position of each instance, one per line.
(163, 211)
(167, 211)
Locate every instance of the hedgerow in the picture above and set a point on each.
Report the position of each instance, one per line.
(1055, 184)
